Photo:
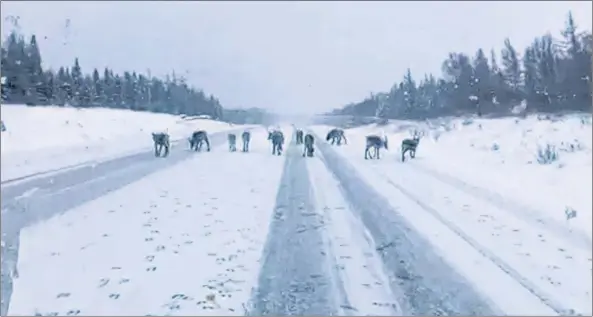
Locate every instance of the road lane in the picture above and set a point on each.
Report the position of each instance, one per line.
(28, 202)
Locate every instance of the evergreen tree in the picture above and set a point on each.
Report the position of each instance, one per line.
(552, 75)
(24, 81)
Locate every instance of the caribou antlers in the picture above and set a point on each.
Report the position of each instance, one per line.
(416, 135)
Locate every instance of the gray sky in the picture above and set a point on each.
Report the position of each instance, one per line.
(286, 56)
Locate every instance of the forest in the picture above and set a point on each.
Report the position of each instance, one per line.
(553, 74)
(25, 81)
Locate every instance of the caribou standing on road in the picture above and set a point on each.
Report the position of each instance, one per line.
(374, 143)
(246, 137)
(277, 138)
(410, 145)
(336, 136)
(161, 141)
(309, 146)
(198, 138)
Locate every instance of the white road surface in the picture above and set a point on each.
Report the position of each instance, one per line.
(232, 233)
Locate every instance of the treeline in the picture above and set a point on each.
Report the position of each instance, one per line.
(248, 116)
(25, 81)
(551, 75)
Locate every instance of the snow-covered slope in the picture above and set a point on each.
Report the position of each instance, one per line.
(44, 138)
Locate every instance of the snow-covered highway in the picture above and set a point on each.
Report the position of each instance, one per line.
(232, 233)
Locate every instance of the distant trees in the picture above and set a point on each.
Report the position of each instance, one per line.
(248, 116)
(551, 75)
(24, 81)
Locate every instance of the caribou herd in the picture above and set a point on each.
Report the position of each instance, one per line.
(336, 136)
(375, 143)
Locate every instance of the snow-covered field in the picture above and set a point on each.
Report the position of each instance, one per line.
(44, 138)
(481, 179)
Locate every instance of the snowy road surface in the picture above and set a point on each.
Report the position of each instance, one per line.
(296, 275)
(522, 261)
(225, 233)
(32, 200)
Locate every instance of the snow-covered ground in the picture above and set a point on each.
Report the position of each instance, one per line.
(190, 239)
(44, 138)
(481, 179)
(182, 248)
(183, 245)
(352, 248)
(501, 155)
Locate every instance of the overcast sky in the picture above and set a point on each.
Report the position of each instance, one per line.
(285, 56)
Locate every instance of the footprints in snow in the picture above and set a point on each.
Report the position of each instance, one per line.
(105, 281)
(71, 312)
(232, 243)
(161, 242)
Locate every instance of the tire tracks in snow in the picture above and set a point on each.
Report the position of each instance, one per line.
(525, 213)
(135, 155)
(422, 281)
(543, 295)
(350, 244)
(297, 275)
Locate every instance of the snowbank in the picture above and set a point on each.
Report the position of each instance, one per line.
(540, 163)
(44, 138)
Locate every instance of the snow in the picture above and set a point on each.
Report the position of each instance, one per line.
(504, 151)
(44, 138)
(188, 249)
(359, 266)
(494, 211)
(188, 240)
